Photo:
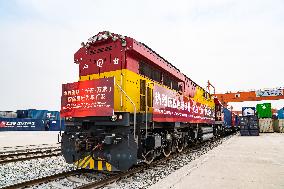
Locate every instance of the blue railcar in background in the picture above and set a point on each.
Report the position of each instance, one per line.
(21, 124)
(22, 113)
(227, 120)
(37, 114)
(236, 121)
(32, 120)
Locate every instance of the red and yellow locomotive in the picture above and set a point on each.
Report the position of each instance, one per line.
(130, 106)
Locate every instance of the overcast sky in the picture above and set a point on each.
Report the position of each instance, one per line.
(236, 44)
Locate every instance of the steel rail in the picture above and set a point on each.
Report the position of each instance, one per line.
(28, 158)
(7, 158)
(39, 151)
(45, 179)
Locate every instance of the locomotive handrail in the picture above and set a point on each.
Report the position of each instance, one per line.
(146, 110)
(134, 106)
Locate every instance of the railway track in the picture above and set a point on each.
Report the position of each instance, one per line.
(160, 162)
(107, 178)
(113, 178)
(22, 155)
(45, 179)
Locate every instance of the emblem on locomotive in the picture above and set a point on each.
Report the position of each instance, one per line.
(100, 62)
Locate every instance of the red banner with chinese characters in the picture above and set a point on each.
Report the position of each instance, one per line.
(88, 98)
(169, 106)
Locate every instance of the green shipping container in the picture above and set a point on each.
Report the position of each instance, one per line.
(264, 110)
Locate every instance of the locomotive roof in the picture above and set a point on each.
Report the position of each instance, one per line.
(107, 34)
(170, 64)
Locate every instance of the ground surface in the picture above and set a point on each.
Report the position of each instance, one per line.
(22, 138)
(241, 162)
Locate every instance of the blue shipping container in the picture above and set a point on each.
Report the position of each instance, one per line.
(37, 114)
(55, 125)
(237, 121)
(17, 124)
(22, 113)
(227, 117)
(281, 113)
(53, 115)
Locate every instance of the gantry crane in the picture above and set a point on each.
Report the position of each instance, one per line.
(252, 95)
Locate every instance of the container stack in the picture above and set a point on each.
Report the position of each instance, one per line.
(264, 114)
(281, 120)
(266, 125)
(244, 128)
(249, 126)
(253, 126)
(249, 122)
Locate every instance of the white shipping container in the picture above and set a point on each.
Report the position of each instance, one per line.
(12, 115)
(281, 125)
(266, 125)
(8, 114)
(276, 125)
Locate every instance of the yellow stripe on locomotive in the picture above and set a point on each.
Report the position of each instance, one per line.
(130, 82)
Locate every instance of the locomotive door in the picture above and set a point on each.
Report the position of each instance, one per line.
(146, 96)
(142, 95)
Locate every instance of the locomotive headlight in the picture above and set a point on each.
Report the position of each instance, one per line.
(120, 117)
(113, 118)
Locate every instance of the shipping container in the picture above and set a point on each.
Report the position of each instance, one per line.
(248, 111)
(254, 132)
(244, 132)
(37, 114)
(275, 125)
(20, 124)
(249, 126)
(244, 127)
(266, 125)
(235, 121)
(53, 115)
(8, 114)
(28, 124)
(22, 113)
(243, 120)
(243, 123)
(56, 126)
(227, 118)
(281, 125)
(253, 122)
(264, 110)
(281, 113)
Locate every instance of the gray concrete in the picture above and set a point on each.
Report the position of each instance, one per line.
(240, 162)
(23, 138)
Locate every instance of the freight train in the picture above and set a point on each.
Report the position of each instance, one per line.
(131, 105)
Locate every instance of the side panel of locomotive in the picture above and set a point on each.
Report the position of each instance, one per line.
(156, 109)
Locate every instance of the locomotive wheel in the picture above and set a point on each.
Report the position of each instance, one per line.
(167, 150)
(149, 157)
(180, 145)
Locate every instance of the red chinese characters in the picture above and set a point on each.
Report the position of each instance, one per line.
(88, 98)
(169, 106)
